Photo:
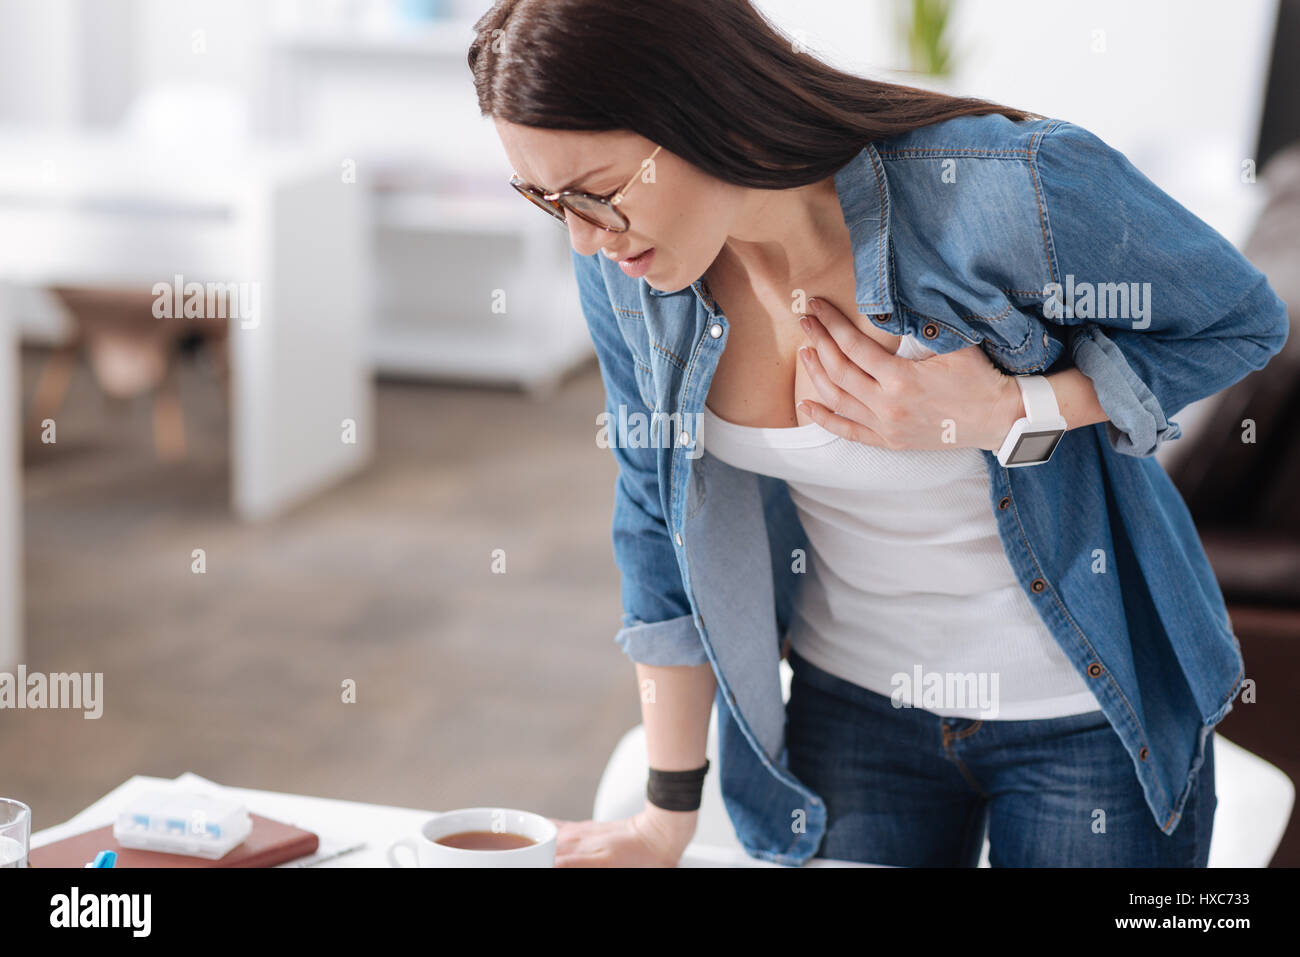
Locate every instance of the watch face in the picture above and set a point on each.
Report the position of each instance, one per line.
(1034, 447)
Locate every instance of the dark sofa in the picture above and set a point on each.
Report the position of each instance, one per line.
(1245, 499)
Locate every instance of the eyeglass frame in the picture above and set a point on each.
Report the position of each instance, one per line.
(612, 200)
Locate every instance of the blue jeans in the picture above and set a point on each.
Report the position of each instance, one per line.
(906, 787)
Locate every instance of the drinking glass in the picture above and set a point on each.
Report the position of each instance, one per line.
(15, 829)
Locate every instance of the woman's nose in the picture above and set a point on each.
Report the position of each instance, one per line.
(585, 237)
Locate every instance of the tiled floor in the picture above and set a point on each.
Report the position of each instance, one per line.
(472, 687)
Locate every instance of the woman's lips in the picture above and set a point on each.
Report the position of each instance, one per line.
(638, 265)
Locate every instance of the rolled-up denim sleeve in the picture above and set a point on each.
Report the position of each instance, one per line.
(672, 642)
(658, 626)
(1136, 423)
(1159, 309)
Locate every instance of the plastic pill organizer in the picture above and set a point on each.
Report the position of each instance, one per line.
(197, 825)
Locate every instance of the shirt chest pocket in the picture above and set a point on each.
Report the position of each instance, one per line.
(1014, 337)
(631, 323)
(645, 383)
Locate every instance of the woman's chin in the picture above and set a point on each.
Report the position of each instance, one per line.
(665, 285)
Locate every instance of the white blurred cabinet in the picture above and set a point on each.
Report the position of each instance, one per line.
(470, 283)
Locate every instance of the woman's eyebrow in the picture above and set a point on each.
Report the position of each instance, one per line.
(578, 179)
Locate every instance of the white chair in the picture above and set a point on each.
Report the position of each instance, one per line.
(1255, 797)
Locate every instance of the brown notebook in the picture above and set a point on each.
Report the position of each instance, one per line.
(269, 843)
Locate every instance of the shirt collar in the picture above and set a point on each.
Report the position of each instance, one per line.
(864, 200)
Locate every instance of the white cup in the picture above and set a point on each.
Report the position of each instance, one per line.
(428, 853)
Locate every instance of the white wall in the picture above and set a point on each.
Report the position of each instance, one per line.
(38, 82)
(12, 613)
(1176, 85)
(201, 41)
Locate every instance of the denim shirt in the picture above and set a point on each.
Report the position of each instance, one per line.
(1048, 249)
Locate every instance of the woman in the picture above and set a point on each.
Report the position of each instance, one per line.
(944, 511)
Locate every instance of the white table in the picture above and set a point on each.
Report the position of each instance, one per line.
(83, 208)
(109, 209)
(351, 834)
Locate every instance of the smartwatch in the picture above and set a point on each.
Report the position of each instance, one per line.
(1034, 437)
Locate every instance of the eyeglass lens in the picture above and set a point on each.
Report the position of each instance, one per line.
(593, 210)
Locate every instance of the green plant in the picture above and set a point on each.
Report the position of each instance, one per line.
(924, 23)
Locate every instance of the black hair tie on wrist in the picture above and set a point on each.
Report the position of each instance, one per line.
(676, 790)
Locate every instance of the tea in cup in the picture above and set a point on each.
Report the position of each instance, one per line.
(480, 837)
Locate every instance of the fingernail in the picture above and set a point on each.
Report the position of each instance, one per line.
(803, 354)
(805, 323)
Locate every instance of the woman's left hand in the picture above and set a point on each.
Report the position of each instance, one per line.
(954, 400)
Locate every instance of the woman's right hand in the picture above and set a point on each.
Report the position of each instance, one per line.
(652, 838)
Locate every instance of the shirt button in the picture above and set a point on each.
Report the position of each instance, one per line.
(929, 330)
(683, 438)
(1095, 669)
(882, 318)
(1142, 753)
(678, 538)
(1006, 500)
(715, 330)
(1038, 584)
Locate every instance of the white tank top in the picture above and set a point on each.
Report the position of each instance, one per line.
(909, 592)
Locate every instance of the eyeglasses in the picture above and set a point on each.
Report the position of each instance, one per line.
(600, 211)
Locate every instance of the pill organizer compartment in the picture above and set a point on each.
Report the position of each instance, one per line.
(197, 825)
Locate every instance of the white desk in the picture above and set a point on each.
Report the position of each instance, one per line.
(339, 825)
(107, 210)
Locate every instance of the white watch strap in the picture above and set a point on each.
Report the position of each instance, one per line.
(1040, 400)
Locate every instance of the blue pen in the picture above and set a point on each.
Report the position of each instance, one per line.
(104, 859)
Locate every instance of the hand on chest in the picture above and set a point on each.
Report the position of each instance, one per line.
(759, 378)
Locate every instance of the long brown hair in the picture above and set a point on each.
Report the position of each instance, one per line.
(710, 80)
